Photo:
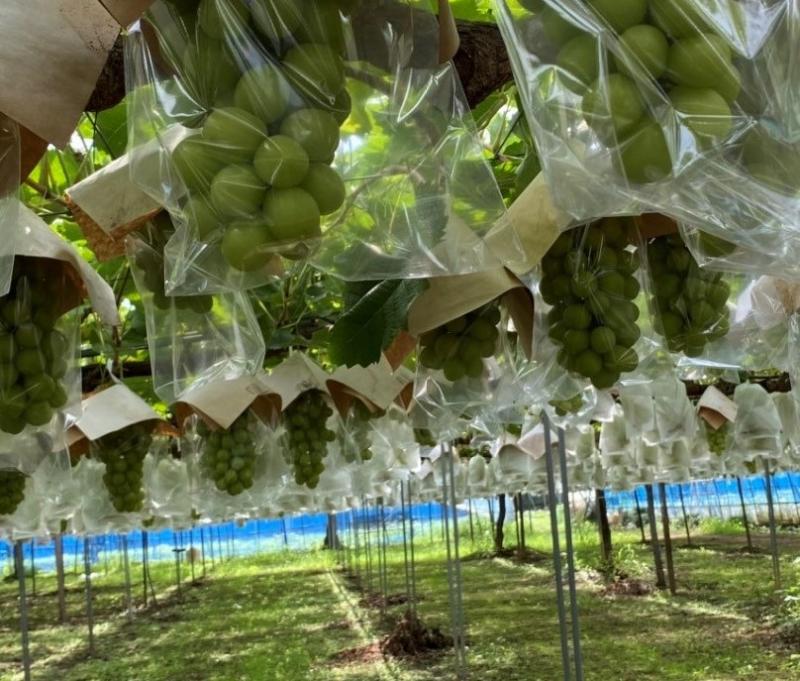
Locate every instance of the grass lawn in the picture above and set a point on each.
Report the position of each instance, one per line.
(293, 617)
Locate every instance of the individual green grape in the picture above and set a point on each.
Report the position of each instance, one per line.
(613, 105)
(459, 347)
(620, 14)
(228, 456)
(714, 246)
(245, 245)
(236, 132)
(207, 71)
(281, 162)
(291, 215)
(678, 18)
(593, 320)
(556, 28)
(703, 110)
(202, 216)
(645, 45)
(326, 187)
(276, 20)
(263, 92)
(316, 71)
(123, 452)
(219, 18)
(690, 302)
(12, 491)
(317, 132)
(704, 61)
(581, 58)
(308, 436)
(197, 163)
(237, 192)
(644, 153)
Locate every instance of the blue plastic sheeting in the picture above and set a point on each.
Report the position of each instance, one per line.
(254, 536)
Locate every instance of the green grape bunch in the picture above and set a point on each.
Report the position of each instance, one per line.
(691, 303)
(228, 457)
(307, 436)
(666, 42)
(269, 78)
(459, 347)
(12, 491)
(358, 430)
(34, 354)
(123, 452)
(589, 279)
(717, 439)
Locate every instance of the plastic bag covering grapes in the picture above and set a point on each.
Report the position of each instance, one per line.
(757, 429)
(303, 119)
(593, 312)
(193, 340)
(39, 356)
(97, 514)
(167, 484)
(9, 187)
(682, 106)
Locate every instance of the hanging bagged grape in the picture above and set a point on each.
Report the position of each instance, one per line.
(12, 491)
(308, 436)
(260, 86)
(34, 353)
(357, 427)
(691, 303)
(228, 456)
(123, 452)
(589, 279)
(718, 439)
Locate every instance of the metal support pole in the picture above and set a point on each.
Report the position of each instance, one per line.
(552, 502)
(639, 514)
(461, 643)
(413, 549)
(203, 549)
(745, 519)
(686, 517)
(191, 556)
(661, 581)
(127, 569)
(87, 574)
(773, 530)
(62, 597)
(19, 565)
(33, 568)
(662, 490)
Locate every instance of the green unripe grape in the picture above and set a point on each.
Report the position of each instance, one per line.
(457, 325)
(704, 111)
(202, 216)
(622, 359)
(447, 345)
(317, 132)
(603, 340)
(577, 317)
(218, 18)
(718, 294)
(584, 284)
(678, 18)
(631, 288)
(208, 74)
(557, 29)
(470, 348)
(316, 71)
(197, 163)
(588, 363)
(645, 155)
(605, 379)
(482, 330)
(342, 107)
(38, 413)
(8, 347)
(291, 215)
(575, 341)
(703, 61)
(628, 335)
(580, 57)
(562, 286)
(701, 314)
(237, 191)
(606, 259)
(15, 312)
(551, 267)
(561, 246)
(599, 303)
(307, 442)
(281, 162)
(276, 20)
(613, 105)
(8, 375)
(12, 489)
(13, 425)
(487, 348)
(612, 283)
(474, 367)
(620, 14)
(244, 245)
(39, 388)
(431, 359)
(326, 186)
(264, 93)
(454, 369)
(679, 259)
(645, 46)
(31, 362)
(236, 131)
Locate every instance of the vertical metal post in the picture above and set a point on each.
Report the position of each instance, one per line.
(577, 650)
(191, 554)
(203, 549)
(661, 581)
(413, 549)
(773, 530)
(685, 517)
(461, 644)
(62, 598)
(639, 514)
(406, 566)
(19, 566)
(127, 568)
(144, 565)
(662, 489)
(285, 534)
(745, 519)
(87, 575)
(552, 502)
(33, 568)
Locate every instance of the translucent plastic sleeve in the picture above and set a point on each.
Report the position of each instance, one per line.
(9, 191)
(291, 128)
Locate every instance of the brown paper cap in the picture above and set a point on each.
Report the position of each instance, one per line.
(716, 408)
(652, 225)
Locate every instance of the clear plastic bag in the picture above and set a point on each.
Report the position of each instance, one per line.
(670, 106)
(196, 339)
(9, 190)
(290, 127)
(167, 484)
(310, 424)
(39, 355)
(757, 429)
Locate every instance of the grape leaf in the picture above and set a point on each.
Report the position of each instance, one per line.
(369, 327)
